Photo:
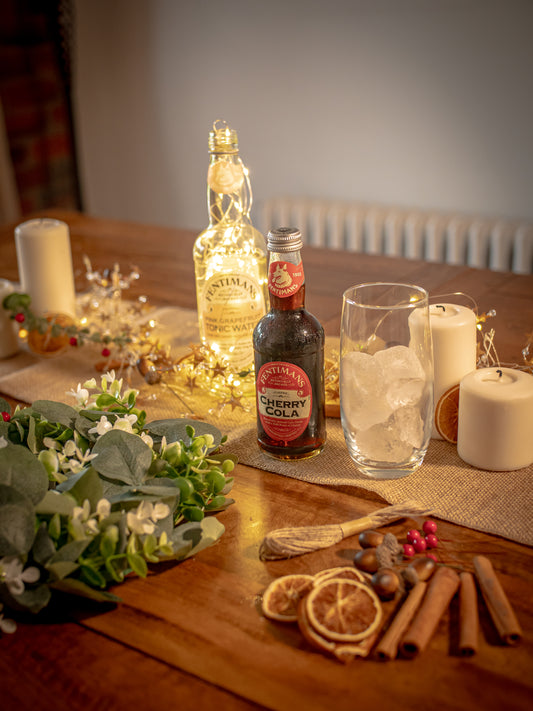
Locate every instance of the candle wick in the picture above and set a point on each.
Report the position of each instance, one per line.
(440, 306)
(499, 372)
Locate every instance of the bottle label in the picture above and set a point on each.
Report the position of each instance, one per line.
(284, 278)
(233, 303)
(284, 400)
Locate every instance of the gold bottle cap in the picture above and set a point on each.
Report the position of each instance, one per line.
(223, 139)
(284, 239)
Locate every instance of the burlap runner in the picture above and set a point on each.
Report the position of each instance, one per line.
(495, 502)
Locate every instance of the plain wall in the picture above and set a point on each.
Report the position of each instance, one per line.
(423, 103)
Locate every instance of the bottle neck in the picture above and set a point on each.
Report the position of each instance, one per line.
(229, 194)
(286, 281)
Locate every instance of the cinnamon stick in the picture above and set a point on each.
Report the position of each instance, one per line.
(468, 616)
(442, 587)
(387, 648)
(498, 605)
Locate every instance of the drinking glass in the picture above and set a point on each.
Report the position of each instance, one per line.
(386, 377)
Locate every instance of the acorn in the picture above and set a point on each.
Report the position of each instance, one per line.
(386, 583)
(370, 539)
(366, 560)
(420, 570)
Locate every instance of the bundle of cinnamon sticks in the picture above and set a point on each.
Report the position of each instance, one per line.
(417, 619)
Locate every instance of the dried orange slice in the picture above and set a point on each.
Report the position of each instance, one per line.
(281, 597)
(345, 571)
(343, 610)
(46, 344)
(344, 652)
(447, 414)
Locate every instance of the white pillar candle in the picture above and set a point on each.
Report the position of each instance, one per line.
(8, 328)
(45, 266)
(496, 419)
(453, 330)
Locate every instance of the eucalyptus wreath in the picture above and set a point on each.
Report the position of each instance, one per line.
(92, 493)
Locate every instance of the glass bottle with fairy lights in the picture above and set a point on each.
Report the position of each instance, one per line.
(229, 256)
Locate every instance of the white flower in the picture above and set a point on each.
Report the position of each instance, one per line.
(102, 427)
(51, 444)
(147, 439)
(81, 395)
(13, 574)
(3, 442)
(125, 423)
(144, 518)
(7, 626)
(103, 509)
(81, 525)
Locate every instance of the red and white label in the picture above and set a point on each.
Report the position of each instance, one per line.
(284, 278)
(284, 400)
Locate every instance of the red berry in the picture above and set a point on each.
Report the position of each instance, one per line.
(6, 416)
(408, 550)
(106, 352)
(19, 318)
(432, 556)
(431, 540)
(73, 341)
(420, 545)
(429, 526)
(413, 535)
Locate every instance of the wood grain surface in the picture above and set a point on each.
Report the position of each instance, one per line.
(191, 635)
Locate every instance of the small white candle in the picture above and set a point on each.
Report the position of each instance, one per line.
(496, 419)
(453, 330)
(8, 328)
(45, 266)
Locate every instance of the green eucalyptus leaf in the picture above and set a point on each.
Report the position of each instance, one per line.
(5, 406)
(56, 412)
(31, 600)
(138, 564)
(87, 485)
(43, 546)
(61, 569)
(70, 551)
(20, 469)
(55, 502)
(17, 522)
(72, 586)
(122, 456)
(199, 535)
(178, 429)
(4, 428)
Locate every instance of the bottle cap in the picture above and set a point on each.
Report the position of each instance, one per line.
(223, 139)
(285, 239)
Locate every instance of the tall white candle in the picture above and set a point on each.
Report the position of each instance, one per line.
(8, 331)
(453, 330)
(45, 265)
(496, 419)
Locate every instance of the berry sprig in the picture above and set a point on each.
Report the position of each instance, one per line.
(20, 307)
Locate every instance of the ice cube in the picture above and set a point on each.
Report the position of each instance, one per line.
(408, 426)
(363, 394)
(404, 375)
(381, 443)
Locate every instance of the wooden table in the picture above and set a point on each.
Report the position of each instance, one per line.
(191, 635)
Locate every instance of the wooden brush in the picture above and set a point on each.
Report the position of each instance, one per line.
(290, 542)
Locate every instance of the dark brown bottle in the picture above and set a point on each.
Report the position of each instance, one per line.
(289, 358)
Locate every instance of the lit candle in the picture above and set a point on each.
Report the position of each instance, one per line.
(45, 266)
(453, 330)
(8, 331)
(496, 419)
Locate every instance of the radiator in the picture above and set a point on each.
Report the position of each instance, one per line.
(498, 244)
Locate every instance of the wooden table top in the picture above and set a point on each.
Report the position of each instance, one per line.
(191, 634)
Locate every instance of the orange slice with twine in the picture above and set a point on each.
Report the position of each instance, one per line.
(344, 652)
(280, 599)
(447, 414)
(344, 571)
(343, 610)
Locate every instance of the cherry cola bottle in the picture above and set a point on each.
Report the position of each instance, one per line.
(289, 358)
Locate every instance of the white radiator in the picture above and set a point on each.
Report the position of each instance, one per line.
(498, 244)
